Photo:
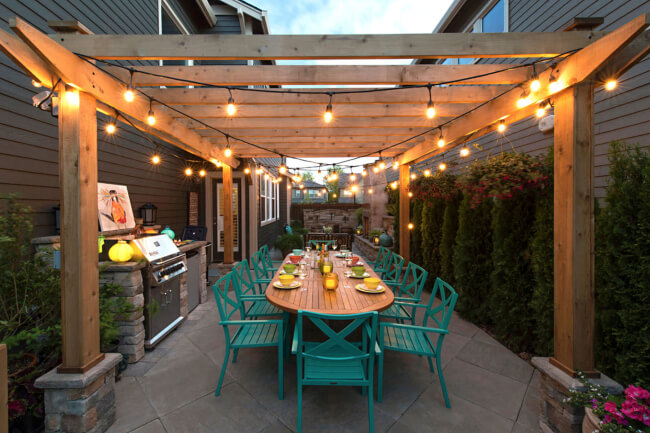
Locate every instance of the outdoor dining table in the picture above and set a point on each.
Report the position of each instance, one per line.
(311, 296)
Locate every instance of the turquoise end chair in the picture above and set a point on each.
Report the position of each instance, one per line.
(337, 360)
(407, 292)
(254, 305)
(381, 261)
(262, 276)
(247, 333)
(417, 339)
(269, 265)
(393, 269)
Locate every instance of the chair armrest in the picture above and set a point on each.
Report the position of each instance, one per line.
(294, 342)
(402, 299)
(393, 283)
(253, 297)
(251, 322)
(410, 304)
(420, 328)
(277, 261)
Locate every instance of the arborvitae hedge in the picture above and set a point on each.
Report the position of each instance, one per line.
(416, 233)
(448, 240)
(432, 213)
(623, 268)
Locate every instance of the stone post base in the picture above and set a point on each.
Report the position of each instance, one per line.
(557, 416)
(80, 403)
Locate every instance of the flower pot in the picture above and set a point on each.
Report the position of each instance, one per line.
(590, 422)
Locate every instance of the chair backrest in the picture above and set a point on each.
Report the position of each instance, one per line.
(383, 256)
(266, 257)
(413, 281)
(225, 304)
(316, 243)
(337, 345)
(393, 269)
(245, 284)
(445, 297)
(257, 260)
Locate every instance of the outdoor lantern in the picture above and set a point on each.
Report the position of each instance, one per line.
(330, 281)
(375, 240)
(120, 252)
(148, 213)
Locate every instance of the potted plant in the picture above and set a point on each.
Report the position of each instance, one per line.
(608, 413)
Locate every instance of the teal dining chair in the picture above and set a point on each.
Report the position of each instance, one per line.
(269, 265)
(240, 334)
(337, 360)
(253, 305)
(407, 292)
(262, 276)
(417, 339)
(393, 269)
(381, 261)
(316, 243)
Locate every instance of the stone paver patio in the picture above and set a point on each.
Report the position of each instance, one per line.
(172, 389)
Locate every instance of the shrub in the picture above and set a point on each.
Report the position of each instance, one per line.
(432, 213)
(416, 233)
(288, 242)
(448, 240)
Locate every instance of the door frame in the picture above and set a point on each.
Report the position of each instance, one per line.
(210, 195)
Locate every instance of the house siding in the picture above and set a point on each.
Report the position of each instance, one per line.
(622, 114)
(29, 137)
(268, 233)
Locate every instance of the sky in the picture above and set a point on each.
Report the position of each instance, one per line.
(351, 17)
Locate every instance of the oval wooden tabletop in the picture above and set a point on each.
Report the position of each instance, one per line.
(311, 295)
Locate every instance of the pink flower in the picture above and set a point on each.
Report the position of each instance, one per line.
(632, 409)
(637, 393)
(610, 407)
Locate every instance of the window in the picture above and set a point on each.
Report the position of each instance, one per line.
(269, 199)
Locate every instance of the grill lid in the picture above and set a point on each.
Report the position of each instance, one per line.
(156, 248)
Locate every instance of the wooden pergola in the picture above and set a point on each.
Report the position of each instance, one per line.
(291, 124)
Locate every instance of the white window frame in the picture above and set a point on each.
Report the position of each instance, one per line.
(272, 202)
(164, 5)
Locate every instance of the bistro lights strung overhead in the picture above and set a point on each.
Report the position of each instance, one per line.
(151, 118)
(328, 116)
(442, 166)
(427, 172)
(110, 126)
(353, 177)
(523, 100)
(370, 191)
(410, 194)
(393, 185)
(441, 140)
(71, 95)
(155, 159)
(247, 170)
(202, 173)
(36, 83)
(410, 226)
(535, 85)
(230, 108)
(188, 171)
(413, 176)
(501, 127)
(610, 84)
(364, 173)
(129, 95)
(228, 151)
(464, 152)
(431, 111)
(395, 165)
(259, 171)
(553, 81)
(541, 109)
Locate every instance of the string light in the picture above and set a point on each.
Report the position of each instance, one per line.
(364, 173)
(375, 169)
(288, 186)
(228, 151)
(442, 166)
(324, 191)
(110, 127)
(266, 176)
(541, 109)
(535, 85)
(410, 226)
(328, 116)
(410, 194)
(334, 195)
(370, 191)
(247, 170)
(259, 171)
(413, 176)
(354, 188)
(155, 159)
(610, 84)
(501, 127)
(353, 177)
(128, 95)
(393, 185)
(431, 111)
(427, 172)
(71, 95)
(230, 108)
(319, 169)
(36, 83)
(282, 169)
(441, 140)
(188, 171)
(464, 152)
(523, 100)
(151, 119)
(202, 173)
(553, 81)
(395, 165)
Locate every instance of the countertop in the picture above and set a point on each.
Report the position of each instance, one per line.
(192, 246)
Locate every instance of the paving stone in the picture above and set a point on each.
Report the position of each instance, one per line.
(483, 336)
(138, 369)
(460, 326)
(497, 359)
(520, 428)
(479, 386)
(154, 426)
(277, 427)
(132, 406)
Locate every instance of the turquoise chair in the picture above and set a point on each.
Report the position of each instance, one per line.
(248, 333)
(269, 265)
(337, 360)
(393, 269)
(262, 276)
(253, 305)
(381, 261)
(407, 292)
(417, 339)
(316, 243)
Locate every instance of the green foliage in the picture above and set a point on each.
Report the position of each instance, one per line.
(288, 242)
(623, 268)
(359, 216)
(472, 260)
(333, 186)
(512, 275)
(415, 246)
(112, 308)
(307, 175)
(298, 227)
(432, 214)
(448, 240)
(375, 232)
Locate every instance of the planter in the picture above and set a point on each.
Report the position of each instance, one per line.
(590, 422)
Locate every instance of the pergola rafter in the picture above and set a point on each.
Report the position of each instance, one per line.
(278, 123)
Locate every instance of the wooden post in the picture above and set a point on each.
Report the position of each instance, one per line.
(228, 236)
(574, 303)
(404, 213)
(79, 259)
(4, 392)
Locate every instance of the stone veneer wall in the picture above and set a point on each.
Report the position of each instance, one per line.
(366, 248)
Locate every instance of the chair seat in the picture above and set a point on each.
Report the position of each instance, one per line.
(410, 340)
(396, 311)
(255, 334)
(263, 308)
(333, 371)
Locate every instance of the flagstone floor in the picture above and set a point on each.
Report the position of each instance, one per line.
(172, 389)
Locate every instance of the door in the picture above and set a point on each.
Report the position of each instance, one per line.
(217, 217)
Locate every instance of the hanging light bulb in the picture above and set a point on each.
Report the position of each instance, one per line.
(353, 177)
(266, 176)
(393, 185)
(36, 83)
(324, 191)
(218, 164)
(259, 171)
(328, 111)
(375, 169)
(464, 152)
(395, 165)
(129, 95)
(364, 173)
(410, 194)
(553, 81)
(441, 141)
(247, 170)
(71, 95)
(230, 108)
(319, 170)
(501, 127)
(442, 166)
(370, 191)
(354, 188)
(431, 111)
(410, 226)
(282, 169)
(202, 173)
(427, 172)
(155, 159)
(611, 84)
(228, 151)
(523, 100)
(110, 127)
(188, 171)
(413, 176)
(288, 186)
(541, 109)
(334, 176)
(535, 85)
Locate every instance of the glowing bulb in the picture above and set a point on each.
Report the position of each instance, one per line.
(110, 128)
(364, 173)
(375, 169)
(610, 84)
(410, 194)
(354, 188)
(395, 165)
(247, 170)
(218, 164)
(370, 191)
(202, 173)
(353, 177)
(72, 96)
(535, 85)
(410, 226)
(288, 186)
(554, 85)
(324, 191)
(188, 171)
(523, 102)
(128, 95)
(442, 166)
(155, 159)
(334, 176)
(393, 185)
(266, 176)
(230, 108)
(427, 172)
(258, 171)
(227, 152)
(541, 110)
(441, 142)
(501, 127)
(431, 111)
(283, 169)
(334, 195)
(464, 152)
(413, 176)
(36, 83)
(328, 114)
(382, 165)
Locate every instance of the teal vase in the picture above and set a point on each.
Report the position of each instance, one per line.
(169, 232)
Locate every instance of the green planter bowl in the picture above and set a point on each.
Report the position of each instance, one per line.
(359, 270)
(289, 269)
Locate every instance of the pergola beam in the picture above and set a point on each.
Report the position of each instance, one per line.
(87, 77)
(370, 122)
(317, 132)
(323, 75)
(272, 47)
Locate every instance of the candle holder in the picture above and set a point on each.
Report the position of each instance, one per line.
(330, 281)
(326, 267)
